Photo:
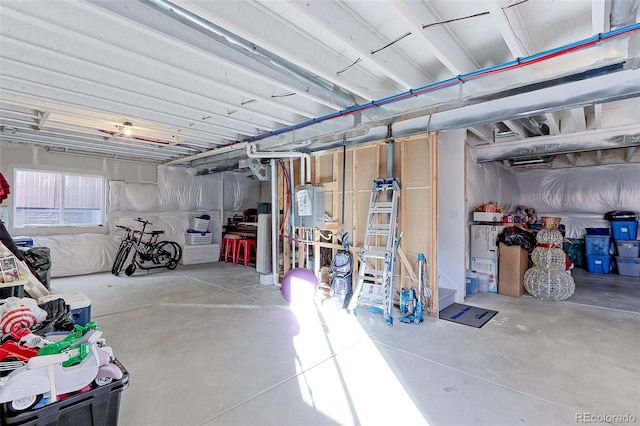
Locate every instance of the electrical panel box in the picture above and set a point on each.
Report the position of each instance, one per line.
(309, 206)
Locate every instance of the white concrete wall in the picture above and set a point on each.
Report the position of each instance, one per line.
(452, 216)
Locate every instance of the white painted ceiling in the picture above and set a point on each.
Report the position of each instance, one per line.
(194, 76)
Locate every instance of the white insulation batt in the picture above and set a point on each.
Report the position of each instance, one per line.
(580, 196)
(169, 204)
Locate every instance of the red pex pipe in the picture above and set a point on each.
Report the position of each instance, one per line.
(508, 66)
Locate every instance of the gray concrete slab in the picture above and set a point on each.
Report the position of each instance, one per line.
(208, 345)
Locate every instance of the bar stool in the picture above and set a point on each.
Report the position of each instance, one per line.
(229, 247)
(248, 246)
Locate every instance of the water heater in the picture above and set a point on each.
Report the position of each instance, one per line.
(309, 206)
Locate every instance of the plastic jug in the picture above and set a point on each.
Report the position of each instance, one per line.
(471, 280)
(483, 283)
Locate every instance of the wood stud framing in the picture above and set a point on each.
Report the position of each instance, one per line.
(415, 164)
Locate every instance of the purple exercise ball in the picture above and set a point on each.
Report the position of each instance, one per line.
(298, 285)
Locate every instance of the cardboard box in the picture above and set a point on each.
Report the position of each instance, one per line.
(487, 217)
(484, 241)
(513, 261)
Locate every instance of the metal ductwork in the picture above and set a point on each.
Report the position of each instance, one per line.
(607, 74)
(259, 170)
(544, 146)
(294, 75)
(623, 13)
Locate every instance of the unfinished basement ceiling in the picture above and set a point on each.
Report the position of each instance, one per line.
(198, 80)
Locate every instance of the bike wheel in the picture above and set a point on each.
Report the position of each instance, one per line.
(130, 269)
(117, 261)
(169, 253)
(121, 258)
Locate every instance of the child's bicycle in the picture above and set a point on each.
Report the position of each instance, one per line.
(148, 253)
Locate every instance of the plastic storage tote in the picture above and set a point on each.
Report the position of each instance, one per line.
(194, 238)
(624, 230)
(79, 304)
(199, 224)
(628, 266)
(472, 282)
(598, 264)
(597, 231)
(597, 244)
(97, 407)
(628, 248)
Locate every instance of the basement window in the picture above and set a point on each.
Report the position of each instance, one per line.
(57, 199)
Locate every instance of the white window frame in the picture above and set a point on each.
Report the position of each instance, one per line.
(63, 176)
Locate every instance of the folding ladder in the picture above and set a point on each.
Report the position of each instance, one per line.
(374, 286)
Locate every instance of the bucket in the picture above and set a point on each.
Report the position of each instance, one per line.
(471, 280)
(483, 283)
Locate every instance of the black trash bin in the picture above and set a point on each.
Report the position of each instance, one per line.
(39, 260)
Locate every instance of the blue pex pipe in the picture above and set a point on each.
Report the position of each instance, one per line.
(520, 62)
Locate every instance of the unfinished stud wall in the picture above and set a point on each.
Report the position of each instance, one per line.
(414, 167)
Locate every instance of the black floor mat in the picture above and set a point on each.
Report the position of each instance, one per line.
(467, 315)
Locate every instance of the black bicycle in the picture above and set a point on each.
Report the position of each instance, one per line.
(129, 237)
(148, 252)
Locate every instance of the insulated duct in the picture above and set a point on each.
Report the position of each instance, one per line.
(594, 70)
(541, 148)
(623, 13)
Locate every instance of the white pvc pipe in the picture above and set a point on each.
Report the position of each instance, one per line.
(275, 217)
(304, 171)
(293, 216)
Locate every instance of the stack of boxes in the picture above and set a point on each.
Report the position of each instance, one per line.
(597, 248)
(627, 247)
(484, 248)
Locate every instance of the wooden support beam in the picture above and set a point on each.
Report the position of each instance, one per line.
(517, 128)
(483, 132)
(629, 153)
(552, 122)
(286, 246)
(43, 116)
(407, 265)
(579, 119)
(330, 186)
(402, 212)
(432, 252)
(355, 210)
(599, 156)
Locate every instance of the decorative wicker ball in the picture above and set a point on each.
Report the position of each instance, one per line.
(549, 237)
(549, 257)
(549, 222)
(549, 283)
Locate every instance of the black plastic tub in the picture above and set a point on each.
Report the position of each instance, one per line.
(97, 407)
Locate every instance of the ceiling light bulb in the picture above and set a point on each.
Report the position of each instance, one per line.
(127, 128)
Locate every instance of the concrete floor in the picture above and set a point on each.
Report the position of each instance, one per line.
(208, 345)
